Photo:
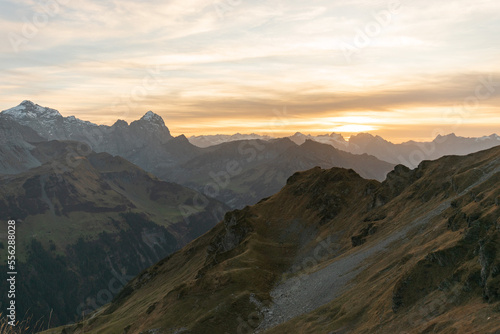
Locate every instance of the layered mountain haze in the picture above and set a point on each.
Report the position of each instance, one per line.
(334, 139)
(260, 167)
(409, 153)
(84, 221)
(211, 140)
(335, 253)
(243, 172)
(261, 164)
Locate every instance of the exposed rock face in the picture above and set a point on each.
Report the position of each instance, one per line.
(49, 123)
(471, 265)
(359, 238)
(235, 229)
(128, 141)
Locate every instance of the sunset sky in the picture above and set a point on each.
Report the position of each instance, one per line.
(404, 70)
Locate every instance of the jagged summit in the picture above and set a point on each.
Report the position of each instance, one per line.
(155, 126)
(28, 109)
(450, 136)
(366, 136)
(453, 136)
(27, 103)
(153, 118)
(120, 123)
(493, 136)
(121, 138)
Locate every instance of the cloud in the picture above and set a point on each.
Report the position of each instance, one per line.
(226, 62)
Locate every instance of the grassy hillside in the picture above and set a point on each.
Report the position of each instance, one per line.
(86, 224)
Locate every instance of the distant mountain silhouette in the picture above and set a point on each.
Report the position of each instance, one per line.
(410, 153)
(243, 172)
(211, 140)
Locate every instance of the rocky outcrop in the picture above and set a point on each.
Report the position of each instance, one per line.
(360, 237)
(235, 229)
(472, 266)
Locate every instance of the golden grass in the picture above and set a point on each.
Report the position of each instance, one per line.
(21, 327)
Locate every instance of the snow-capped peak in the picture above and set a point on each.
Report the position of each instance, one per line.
(493, 136)
(153, 118)
(28, 109)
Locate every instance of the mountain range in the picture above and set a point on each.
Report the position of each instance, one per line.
(126, 140)
(262, 166)
(333, 252)
(239, 173)
(409, 153)
(204, 141)
(147, 142)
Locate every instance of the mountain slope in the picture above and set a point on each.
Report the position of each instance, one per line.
(243, 172)
(333, 252)
(16, 139)
(434, 272)
(84, 220)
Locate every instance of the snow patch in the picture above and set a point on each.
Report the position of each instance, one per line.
(153, 118)
(28, 109)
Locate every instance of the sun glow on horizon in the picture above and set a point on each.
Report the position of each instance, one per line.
(354, 128)
(262, 70)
